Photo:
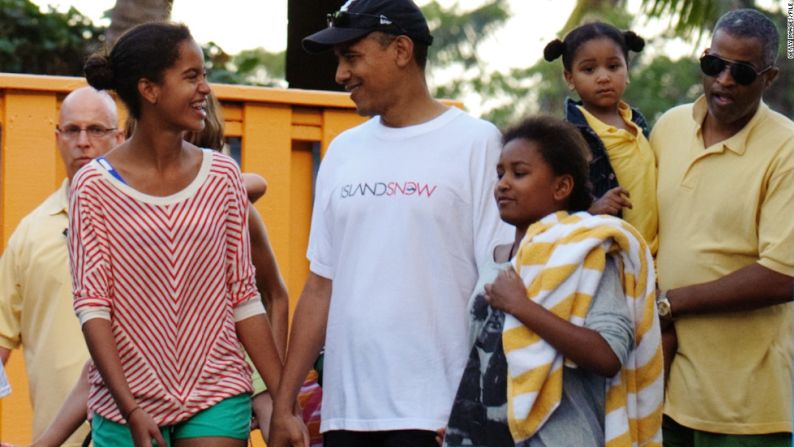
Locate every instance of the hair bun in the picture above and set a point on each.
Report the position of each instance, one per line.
(98, 72)
(633, 41)
(553, 50)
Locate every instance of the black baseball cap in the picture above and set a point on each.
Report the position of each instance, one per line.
(357, 18)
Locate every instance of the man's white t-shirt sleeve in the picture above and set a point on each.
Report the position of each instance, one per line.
(489, 229)
(320, 247)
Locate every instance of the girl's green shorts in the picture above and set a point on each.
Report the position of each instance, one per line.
(229, 418)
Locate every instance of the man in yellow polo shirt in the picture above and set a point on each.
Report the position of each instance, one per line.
(35, 285)
(726, 247)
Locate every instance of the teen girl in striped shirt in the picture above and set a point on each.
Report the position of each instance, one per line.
(162, 273)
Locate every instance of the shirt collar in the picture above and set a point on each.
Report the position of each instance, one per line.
(600, 127)
(738, 142)
(58, 202)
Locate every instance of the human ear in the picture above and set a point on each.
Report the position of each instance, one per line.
(119, 137)
(770, 76)
(404, 48)
(149, 91)
(568, 76)
(563, 188)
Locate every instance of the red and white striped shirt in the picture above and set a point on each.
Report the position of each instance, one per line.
(172, 274)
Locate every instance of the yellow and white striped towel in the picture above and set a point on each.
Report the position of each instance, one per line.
(561, 261)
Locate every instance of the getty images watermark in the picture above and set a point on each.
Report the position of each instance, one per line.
(790, 31)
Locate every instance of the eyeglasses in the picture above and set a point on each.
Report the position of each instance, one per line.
(344, 19)
(741, 72)
(92, 132)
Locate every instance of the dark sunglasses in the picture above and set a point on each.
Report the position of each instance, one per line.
(344, 19)
(741, 72)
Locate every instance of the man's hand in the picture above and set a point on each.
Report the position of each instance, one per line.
(288, 430)
(669, 348)
(612, 202)
(440, 433)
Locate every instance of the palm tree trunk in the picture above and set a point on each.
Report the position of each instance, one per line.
(589, 8)
(128, 13)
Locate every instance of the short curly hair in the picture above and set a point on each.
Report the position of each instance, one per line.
(753, 24)
(564, 149)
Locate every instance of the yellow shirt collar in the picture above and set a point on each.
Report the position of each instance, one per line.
(738, 142)
(59, 202)
(602, 128)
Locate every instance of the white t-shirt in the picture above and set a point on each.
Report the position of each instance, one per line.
(401, 217)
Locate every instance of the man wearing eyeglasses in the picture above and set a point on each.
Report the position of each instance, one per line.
(726, 253)
(35, 285)
(403, 214)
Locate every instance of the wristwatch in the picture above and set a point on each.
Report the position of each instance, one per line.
(663, 306)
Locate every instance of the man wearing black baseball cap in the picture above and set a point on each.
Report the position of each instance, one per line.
(403, 221)
(356, 19)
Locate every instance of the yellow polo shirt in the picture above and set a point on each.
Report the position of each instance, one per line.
(632, 159)
(722, 208)
(36, 309)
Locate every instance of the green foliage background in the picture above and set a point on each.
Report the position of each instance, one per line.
(55, 43)
(51, 42)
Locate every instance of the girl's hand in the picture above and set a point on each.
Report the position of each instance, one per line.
(262, 405)
(612, 202)
(288, 431)
(144, 430)
(507, 293)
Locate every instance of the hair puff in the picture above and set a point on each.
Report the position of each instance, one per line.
(98, 72)
(553, 50)
(634, 42)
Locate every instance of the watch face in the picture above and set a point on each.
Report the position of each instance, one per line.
(664, 307)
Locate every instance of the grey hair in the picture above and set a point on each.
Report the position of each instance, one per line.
(751, 23)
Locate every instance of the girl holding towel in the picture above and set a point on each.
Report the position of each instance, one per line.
(566, 340)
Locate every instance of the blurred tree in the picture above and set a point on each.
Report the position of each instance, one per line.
(540, 88)
(691, 17)
(253, 67)
(51, 42)
(658, 82)
(694, 18)
(128, 13)
(457, 36)
(56, 43)
(587, 10)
